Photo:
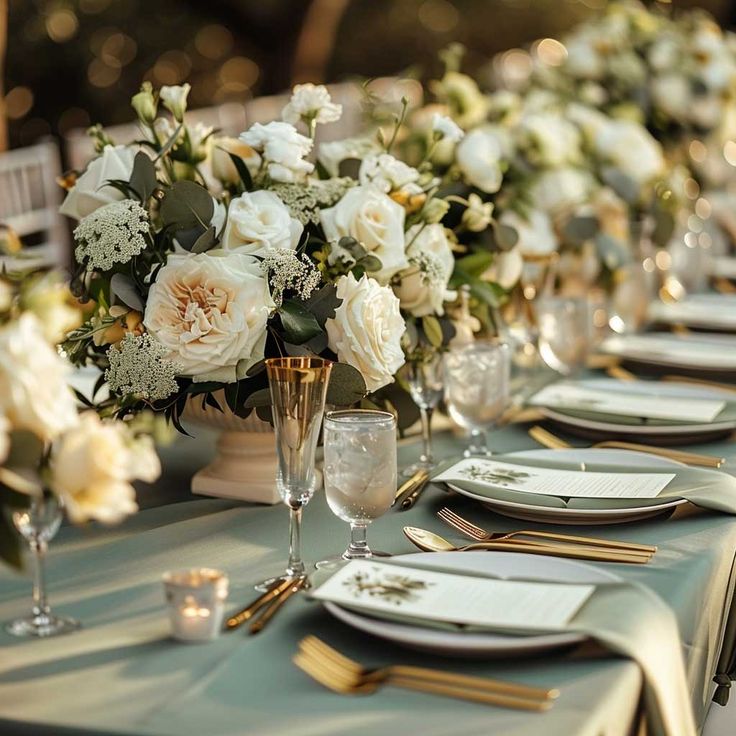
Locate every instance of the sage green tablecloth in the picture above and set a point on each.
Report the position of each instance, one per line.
(122, 674)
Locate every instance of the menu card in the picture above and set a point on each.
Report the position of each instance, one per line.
(622, 403)
(554, 482)
(706, 351)
(453, 598)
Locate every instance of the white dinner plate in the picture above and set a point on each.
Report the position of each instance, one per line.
(556, 515)
(704, 311)
(606, 429)
(507, 565)
(697, 352)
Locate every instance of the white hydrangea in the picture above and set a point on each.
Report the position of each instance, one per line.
(310, 102)
(288, 271)
(446, 128)
(139, 366)
(112, 234)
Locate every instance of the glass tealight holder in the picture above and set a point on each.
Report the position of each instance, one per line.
(196, 600)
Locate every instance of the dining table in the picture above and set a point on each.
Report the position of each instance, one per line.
(123, 674)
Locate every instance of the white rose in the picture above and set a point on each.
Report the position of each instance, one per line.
(588, 119)
(422, 288)
(174, 99)
(481, 155)
(223, 168)
(507, 268)
(210, 311)
(34, 394)
(92, 467)
(707, 111)
(49, 299)
(375, 221)
(583, 61)
(283, 148)
(664, 53)
(311, 102)
(90, 191)
(671, 94)
(446, 128)
(333, 153)
(367, 328)
(630, 148)
(557, 190)
(536, 234)
(388, 174)
(257, 221)
(552, 140)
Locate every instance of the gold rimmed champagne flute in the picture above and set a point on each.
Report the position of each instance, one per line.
(298, 390)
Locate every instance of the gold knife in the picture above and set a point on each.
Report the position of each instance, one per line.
(260, 623)
(413, 497)
(247, 613)
(409, 485)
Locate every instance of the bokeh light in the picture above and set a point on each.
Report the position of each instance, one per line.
(438, 16)
(18, 102)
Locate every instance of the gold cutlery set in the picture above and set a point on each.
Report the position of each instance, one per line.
(263, 608)
(340, 674)
(410, 491)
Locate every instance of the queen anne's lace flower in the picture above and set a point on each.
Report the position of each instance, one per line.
(139, 366)
(288, 271)
(305, 200)
(111, 234)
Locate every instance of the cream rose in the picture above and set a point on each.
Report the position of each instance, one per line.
(210, 311)
(258, 221)
(536, 234)
(92, 467)
(631, 149)
(34, 394)
(367, 328)
(551, 140)
(422, 288)
(90, 191)
(558, 190)
(222, 166)
(480, 156)
(375, 221)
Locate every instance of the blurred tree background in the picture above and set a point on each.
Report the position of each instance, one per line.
(70, 63)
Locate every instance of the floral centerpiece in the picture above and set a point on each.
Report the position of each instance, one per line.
(202, 255)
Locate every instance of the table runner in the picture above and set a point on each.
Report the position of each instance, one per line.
(122, 675)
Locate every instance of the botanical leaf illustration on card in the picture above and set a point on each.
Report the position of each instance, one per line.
(497, 476)
(392, 588)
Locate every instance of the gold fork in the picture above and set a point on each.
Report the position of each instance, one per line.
(546, 438)
(343, 675)
(481, 535)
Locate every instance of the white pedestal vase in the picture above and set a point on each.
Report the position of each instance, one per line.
(245, 464)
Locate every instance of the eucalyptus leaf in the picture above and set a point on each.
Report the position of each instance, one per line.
(506, 237)
(206, 241)
(370, 263)
(352, 246)
(298, 322)
(433, 330)
(612, 253)
(124, 289)
(323, 303)
(349, 167)
(262, 397)
(143, 176)
(476, 263)
(623, 185)
(579, 229)
(347, 385)
(264, 413)
(186, 205)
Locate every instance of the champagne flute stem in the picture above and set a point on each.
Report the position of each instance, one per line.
(478, 443)
(296, 564)
(426, 414)
(358, 543)
(40, 603)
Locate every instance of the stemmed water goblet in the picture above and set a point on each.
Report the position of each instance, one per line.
(359, 473)
(477, 389)
(423, 375)
(298, 388)
(38, 525)
(564, 332)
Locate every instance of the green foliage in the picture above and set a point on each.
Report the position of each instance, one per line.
(347, 385)
(186, 205)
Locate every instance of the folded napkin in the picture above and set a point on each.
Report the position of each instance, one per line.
(626, 619)
(709, 489)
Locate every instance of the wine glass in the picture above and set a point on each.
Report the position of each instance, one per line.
(564, 333)
(477, 389)
(38, 525)
(298, 390)
(423, 375)
(359, 473)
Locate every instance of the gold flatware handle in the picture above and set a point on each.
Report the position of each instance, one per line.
(578, 552)
(620, 373)
(260, 623)
(239, 618)
(469, 681)
(413, 497)
(409, 485)
(689, 458)
(546, 438)
(474, 696)
(590, 541)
